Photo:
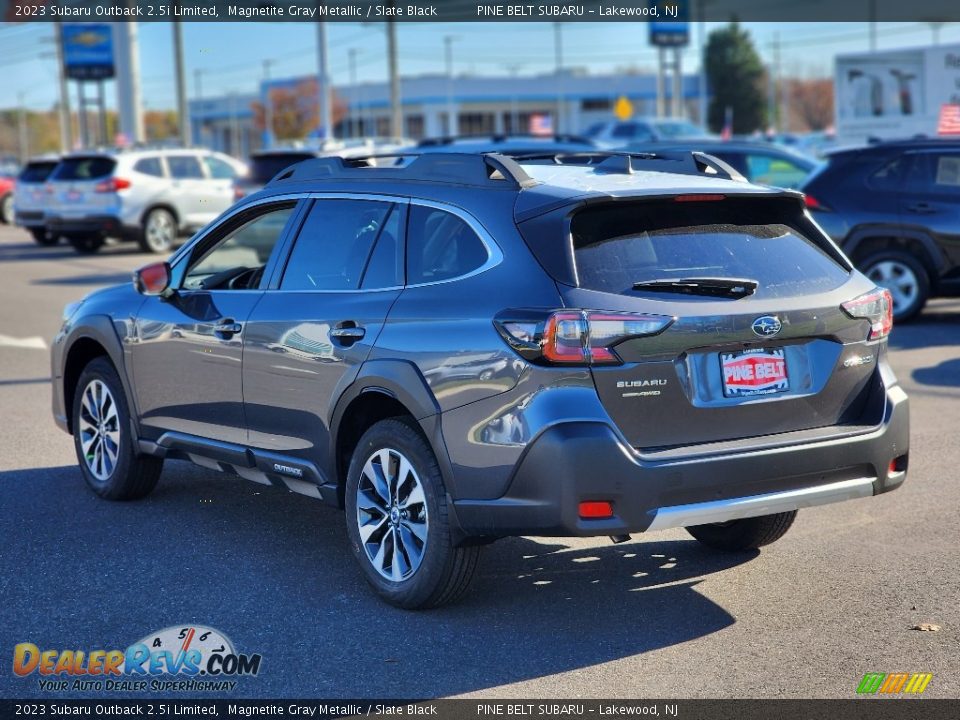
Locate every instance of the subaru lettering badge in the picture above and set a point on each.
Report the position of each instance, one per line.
(766, 326)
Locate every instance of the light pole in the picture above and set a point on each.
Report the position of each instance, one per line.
(558, 69)
(352, 108)
(325, 115)
(66, 121)
(183, 114)
(513, 69)
(452, 124)
(24, 143)
(198, 96)
(396, 111)
(267, 106)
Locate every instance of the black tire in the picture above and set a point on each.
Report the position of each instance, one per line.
(86, 244)
(42, 237)
(747, 534)
(132, 475)
(159, 232)
(444, 571)
(6, 209)
(907, 263)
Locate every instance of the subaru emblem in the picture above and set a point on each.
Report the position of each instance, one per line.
(766, 326)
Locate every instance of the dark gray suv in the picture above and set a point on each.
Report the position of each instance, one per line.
(456, 348)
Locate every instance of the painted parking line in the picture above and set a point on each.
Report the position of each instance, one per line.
(33, 343)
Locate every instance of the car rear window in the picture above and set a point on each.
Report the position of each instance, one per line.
(617, 245)
(263, 168)
(37, 172)
(84, 168)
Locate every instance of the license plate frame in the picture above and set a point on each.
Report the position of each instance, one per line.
(754, 372)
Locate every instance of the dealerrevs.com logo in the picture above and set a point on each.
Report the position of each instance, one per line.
(184, 658)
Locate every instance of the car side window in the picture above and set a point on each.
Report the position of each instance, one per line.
(890, 175)
(776, 171)
(236, 260)
(335, 244)
(149, 166)
(219, 169)
(935, 172)
(630, 131)
(440, 246)
(184, 167)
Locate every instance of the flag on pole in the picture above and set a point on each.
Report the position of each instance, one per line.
(949, 119)
(541, 124)
(727, 132)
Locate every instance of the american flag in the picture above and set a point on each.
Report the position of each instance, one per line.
(541, 124)
(949, 119)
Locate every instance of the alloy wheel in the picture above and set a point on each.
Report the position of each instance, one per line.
(899, 279)
(160, 230)
(392, 515)
(99, 430)
(6, 210)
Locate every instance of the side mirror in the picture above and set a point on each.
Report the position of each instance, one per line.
(153, 280)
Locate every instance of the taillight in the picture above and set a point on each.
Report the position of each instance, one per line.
(813, 204)
(111, 185)
(875, 306)
(574, 337)
(238, 194)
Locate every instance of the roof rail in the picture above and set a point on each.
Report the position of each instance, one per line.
(488, 170)
(626, 163)
(503, 137)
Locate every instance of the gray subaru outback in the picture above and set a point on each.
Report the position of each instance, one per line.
(455, 348)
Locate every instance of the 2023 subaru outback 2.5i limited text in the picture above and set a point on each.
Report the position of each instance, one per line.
(456, 348)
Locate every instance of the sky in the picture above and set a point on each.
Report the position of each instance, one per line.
(230, 56)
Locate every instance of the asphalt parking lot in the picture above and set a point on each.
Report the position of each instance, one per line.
(658, 617)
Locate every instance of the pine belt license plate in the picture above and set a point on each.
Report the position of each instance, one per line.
(761, 371)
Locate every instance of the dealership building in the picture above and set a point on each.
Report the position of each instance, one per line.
(479, 104)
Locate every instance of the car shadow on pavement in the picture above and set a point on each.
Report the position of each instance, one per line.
(272, 570)
(935, 326)
(946, 374)
(93, 279)
(29, 251)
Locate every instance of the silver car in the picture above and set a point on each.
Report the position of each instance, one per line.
(150, 196)
(30, 197)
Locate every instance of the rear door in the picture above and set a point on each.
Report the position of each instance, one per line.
(930, 201)
(189, 189)
(730, 366)
(305, 341)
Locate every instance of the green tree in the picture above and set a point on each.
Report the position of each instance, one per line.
(735, 74)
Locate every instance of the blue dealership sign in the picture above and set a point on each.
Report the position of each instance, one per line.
(88, 51)
(671, 29)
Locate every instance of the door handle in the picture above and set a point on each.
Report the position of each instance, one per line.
(921, 208)
(348, 332)
(227, 328)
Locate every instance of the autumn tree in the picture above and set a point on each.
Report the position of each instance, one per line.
(295, 111)
(811, 103)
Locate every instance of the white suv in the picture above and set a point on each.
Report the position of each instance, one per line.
(151, 196)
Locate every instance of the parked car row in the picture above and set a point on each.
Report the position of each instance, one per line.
(894, 207)
(152, 197)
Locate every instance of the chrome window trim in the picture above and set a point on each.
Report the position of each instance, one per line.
(494, 253)
(226, 216)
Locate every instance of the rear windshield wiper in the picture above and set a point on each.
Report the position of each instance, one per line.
(717, 287)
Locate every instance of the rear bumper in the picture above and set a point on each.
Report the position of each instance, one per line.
(29, 218)
(575, 462)
(110, 225)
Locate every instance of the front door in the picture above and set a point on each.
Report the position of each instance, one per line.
(187, 353)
